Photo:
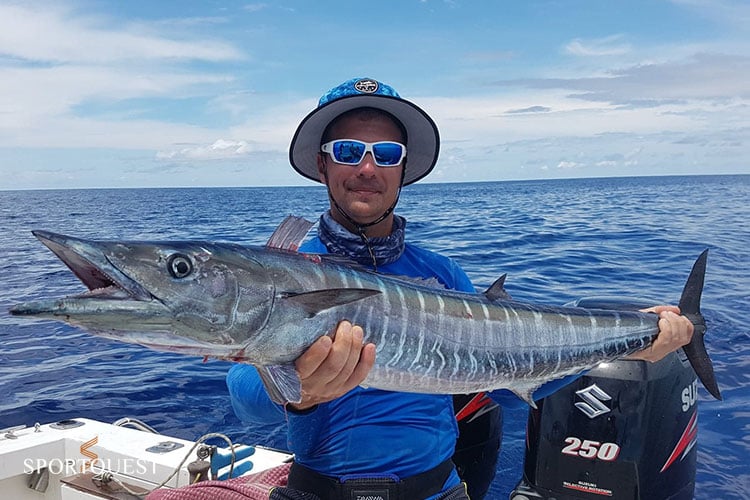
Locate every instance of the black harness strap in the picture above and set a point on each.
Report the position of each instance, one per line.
(384, 487)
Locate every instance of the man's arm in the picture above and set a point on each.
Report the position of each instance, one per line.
(249, 398)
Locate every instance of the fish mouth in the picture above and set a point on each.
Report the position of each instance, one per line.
(115, 306)
(105, 282)
(90, 264)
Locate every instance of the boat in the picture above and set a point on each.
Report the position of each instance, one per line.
(84, 459)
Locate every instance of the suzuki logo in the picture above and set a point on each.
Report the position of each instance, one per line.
(592, 398)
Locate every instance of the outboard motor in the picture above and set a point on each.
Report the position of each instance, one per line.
(625, 430)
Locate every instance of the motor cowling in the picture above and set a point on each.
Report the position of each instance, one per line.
(627, 429)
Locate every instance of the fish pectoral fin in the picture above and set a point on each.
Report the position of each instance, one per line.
(320, 300)
(281, 382)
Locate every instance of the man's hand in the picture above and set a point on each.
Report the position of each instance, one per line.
(332, 367)
(675, 331)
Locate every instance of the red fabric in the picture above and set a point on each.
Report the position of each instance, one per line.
(254, 486)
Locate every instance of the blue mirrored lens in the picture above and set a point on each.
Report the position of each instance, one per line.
(348, 152)
(387, 153)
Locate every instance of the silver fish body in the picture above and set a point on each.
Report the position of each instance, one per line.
(440, 341)
(265, 306)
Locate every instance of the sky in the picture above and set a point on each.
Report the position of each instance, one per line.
(100, 94)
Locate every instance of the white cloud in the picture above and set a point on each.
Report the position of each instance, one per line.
(702, 76)
(530, 109)
(54, 34)
(255, 7)
(607, 46)
(35, 113)
(219, 150)
(727, 12)
(606, 163)
(58, 60)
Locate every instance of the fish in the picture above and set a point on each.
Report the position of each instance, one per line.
(265, 305)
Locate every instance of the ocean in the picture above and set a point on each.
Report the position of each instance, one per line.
(557, 240)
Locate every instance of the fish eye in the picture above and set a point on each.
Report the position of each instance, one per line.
(179, 266)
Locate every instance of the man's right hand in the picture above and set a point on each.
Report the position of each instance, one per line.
(332, 367)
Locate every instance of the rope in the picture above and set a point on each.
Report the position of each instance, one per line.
(105, 477)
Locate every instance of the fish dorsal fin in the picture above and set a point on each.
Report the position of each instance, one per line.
(496, 291)
(290, 233)
(281, 382)
(320, 300)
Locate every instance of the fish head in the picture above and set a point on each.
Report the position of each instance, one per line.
(191, 297)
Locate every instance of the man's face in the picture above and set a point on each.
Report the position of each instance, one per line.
(363, 191)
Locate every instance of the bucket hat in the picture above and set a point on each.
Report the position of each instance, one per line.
(422, 137)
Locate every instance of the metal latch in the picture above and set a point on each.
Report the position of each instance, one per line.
(165, 447)
(8, 431)
(66, 424)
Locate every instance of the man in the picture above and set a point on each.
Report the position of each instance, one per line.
(364, 142)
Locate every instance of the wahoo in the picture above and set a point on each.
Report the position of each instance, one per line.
(266, 305)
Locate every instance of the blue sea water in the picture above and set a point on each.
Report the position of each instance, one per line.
(557, 240)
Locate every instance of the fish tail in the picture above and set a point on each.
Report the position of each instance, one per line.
(690, 303)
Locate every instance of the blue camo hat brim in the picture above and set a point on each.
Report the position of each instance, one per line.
(423, 139)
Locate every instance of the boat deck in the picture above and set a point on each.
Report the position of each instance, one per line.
(64, 460)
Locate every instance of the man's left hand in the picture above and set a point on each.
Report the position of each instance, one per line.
(675, 331)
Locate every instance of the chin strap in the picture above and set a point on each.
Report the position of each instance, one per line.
(362, 227)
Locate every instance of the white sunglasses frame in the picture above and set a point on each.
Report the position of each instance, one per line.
(328, 148)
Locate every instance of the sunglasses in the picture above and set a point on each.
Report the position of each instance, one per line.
(351, 152)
